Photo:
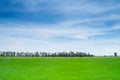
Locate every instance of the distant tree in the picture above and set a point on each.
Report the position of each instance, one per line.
(104, 55)
(12, 54)
(46, 54)
(36, 54)
(71, 53)
(115, 54)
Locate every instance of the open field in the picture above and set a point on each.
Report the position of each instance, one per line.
(59, 68)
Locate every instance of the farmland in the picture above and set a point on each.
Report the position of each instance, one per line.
(60, 68)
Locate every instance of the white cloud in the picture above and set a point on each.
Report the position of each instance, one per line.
(67, 30)
(34, 37)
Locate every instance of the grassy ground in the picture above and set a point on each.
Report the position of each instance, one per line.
(59, 68)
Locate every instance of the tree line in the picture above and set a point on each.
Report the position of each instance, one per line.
(45, 54)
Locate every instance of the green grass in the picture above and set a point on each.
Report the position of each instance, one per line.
(59, 68)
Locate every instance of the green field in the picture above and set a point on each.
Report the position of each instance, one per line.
(59, 68)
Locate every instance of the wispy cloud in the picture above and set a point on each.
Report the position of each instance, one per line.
(68, 30)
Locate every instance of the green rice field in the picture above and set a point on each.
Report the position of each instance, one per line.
(60, 68)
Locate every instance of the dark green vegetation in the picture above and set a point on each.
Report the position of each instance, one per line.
(60, 68)
(45, 54)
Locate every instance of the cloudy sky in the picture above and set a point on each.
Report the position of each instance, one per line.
(60, 25)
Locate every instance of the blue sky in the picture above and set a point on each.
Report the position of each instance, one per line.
(60, 25)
